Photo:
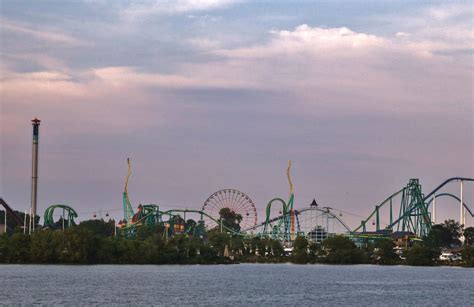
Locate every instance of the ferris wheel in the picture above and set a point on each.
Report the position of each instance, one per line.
(236, 201)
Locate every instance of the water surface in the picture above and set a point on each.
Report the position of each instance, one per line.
(241, 285)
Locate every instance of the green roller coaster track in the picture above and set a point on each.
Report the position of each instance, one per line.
(150, 214)
(191, 227)
(297, 212)
(69, 214)
(284, 229)
(413, 216)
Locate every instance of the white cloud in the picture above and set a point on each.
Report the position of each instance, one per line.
(442, 28)
(340, 69)
(44, 35)
(332, 68)
(450, 11)
(312, 40)
(140, 9)
(402, 34)
(131, 77)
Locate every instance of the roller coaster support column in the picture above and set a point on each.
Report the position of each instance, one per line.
(434, 209)
(24, 223)
(462, 221)
(377, 218)
(34, 178)
(391, 212)
(30, 222)
(463, 212)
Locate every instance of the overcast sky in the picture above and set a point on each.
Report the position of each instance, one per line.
(204, 95)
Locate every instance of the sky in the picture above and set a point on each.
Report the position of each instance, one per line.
(210, 94)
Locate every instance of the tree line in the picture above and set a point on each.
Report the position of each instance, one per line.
(94, 242)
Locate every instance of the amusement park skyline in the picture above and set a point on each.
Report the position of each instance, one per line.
(207, 95)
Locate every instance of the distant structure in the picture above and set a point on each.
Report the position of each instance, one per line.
(34, 166)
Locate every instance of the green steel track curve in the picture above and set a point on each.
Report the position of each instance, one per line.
(421, 206)
(49, 215)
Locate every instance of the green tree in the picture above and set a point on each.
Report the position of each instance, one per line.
(314, 250)
(3, 248)
(237, 244)
(341, 250)
(300, 250)
(422, 255)
(467, 255)
(98, 227)
(277, 249)
(262, 247)
(384, 253)
(469, 236)
(218, 241)
(444, 235)
(145, 231)
(229, 219)
(18, 248)
(46, 246)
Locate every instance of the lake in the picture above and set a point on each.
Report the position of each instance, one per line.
(243, 284)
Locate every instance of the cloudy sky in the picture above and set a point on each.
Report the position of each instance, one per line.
(210, 94)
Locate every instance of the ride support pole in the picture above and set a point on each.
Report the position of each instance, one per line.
(24, 223)
(462, 220)
(30, 222)
(463, 212)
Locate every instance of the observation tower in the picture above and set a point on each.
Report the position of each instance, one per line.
(34, 168)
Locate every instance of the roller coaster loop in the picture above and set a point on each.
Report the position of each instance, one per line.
(67, 211)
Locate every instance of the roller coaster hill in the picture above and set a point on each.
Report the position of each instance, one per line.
(407, 213)
(285, 227)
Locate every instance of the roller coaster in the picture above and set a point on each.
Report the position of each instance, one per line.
(408, 212)
(314, 222)
(414, 215)
(173, 221)
(66, 210)
(8, 210)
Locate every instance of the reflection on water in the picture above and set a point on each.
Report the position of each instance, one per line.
(244, 284)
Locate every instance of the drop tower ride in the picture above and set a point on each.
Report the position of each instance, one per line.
(34, 169)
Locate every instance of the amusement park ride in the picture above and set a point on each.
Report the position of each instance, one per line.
(316, 223)
(409, 213)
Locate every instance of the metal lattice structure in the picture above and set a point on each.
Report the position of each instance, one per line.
(414, 216)
(406, 211)
(238, 202)
(174, 221)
